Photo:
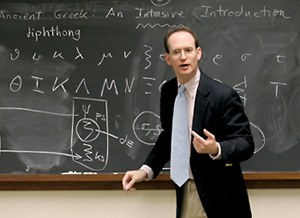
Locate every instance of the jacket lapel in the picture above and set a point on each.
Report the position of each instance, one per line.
(201, 105)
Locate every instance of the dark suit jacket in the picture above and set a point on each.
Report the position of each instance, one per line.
(220, 183)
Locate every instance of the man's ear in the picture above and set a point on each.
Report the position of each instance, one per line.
(167, 58)
(199, 53)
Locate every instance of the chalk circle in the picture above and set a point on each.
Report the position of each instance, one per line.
(259, 137)
(87, 130)
(146, 127)
(160, 2)
(294, 117)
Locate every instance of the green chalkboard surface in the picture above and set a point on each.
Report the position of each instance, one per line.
(80, 80)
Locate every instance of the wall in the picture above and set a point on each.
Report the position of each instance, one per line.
(275, 203)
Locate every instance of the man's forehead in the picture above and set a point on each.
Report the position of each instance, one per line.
(181, 38)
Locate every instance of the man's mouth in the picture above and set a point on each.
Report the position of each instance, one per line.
(184, 66)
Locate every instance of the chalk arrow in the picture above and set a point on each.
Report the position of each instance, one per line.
(76, 156)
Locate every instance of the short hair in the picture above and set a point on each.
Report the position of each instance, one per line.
(178, 29)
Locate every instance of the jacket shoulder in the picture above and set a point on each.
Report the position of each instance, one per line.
(215, 87)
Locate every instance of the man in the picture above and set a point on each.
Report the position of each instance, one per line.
(219, 137)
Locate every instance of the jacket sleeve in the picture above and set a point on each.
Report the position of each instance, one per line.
(236, 140)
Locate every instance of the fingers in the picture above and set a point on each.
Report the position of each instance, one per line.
(128, 181)
(197, 138)
(132, 177)
(209, 135)
(205, 146)
(130, 186)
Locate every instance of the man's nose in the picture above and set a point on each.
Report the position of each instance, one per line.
(182, 54)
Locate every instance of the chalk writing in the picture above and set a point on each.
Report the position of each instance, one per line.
(277, 84)
(244, 56)
(146, 13)
(216, 58)
(126, 141)
(148, 56)
(240, 88)
(17, 54)
(53, 31)
(59, 14)
(208, 11)
(112, 13)
(104, 56)
(6, 15)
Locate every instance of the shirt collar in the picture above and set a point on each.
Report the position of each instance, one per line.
(192, 84)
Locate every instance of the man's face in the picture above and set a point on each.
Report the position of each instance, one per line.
(183, 56)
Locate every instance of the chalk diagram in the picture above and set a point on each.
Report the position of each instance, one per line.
(89, 135)
(160, 3)
(90, 138)
(258, 136)
(146, 127)
(41, 145)
(294, 109)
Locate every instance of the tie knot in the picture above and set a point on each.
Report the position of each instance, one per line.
(181, 89)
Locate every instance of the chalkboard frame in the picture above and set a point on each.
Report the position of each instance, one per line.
(10, 182)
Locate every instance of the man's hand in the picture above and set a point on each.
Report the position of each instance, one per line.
(131, 177)
(208, 146)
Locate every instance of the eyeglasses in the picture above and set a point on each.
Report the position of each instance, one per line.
(178, 52)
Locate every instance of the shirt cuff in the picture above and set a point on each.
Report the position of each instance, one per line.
(148, 170)
(218, 156)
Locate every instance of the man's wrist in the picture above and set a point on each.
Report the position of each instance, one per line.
(218, 155)
(148, 171)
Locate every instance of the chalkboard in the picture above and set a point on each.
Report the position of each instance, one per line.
(80, 80)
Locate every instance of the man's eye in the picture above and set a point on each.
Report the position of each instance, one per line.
(189, 50)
